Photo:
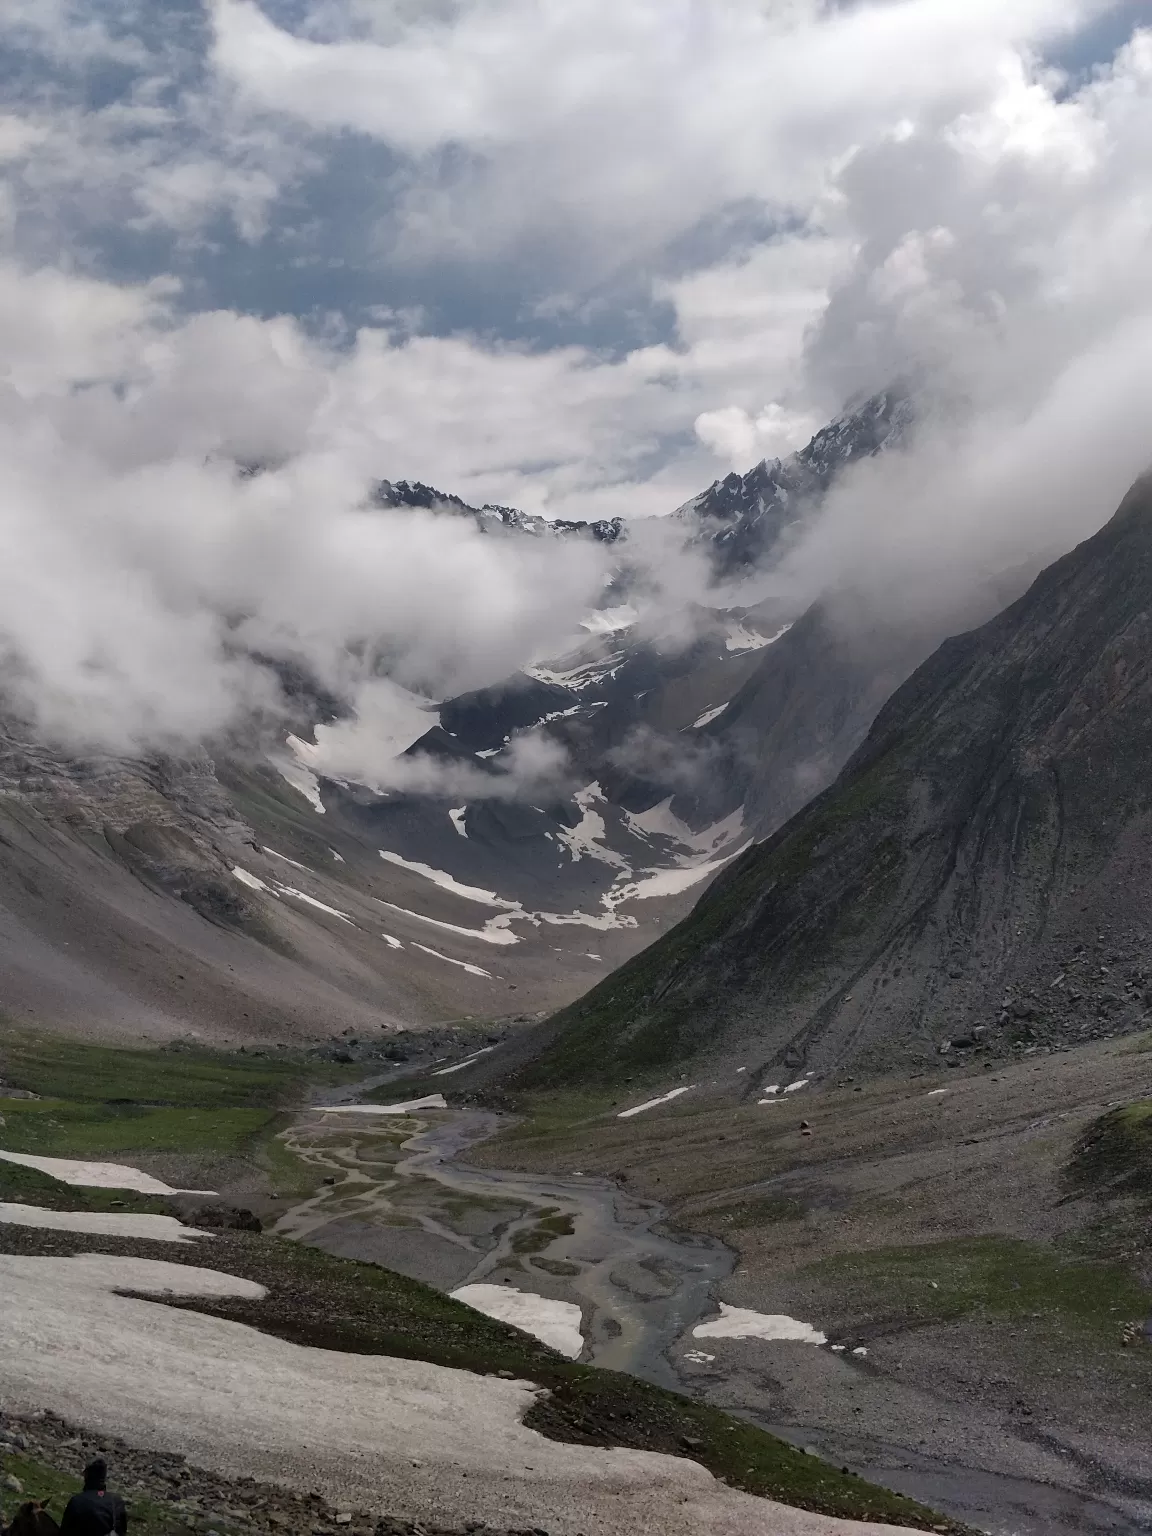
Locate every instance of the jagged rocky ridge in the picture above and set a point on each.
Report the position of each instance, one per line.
(978, 878)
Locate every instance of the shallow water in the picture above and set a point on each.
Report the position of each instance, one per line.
(638, 1285)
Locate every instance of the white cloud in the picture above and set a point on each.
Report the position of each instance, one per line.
(941, 206)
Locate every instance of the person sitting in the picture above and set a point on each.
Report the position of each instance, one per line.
(95, 1512)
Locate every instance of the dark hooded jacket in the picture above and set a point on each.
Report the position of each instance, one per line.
(95, 1512)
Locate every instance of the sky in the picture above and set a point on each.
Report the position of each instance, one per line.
(582, 259)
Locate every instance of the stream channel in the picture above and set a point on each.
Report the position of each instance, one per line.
(402, 1198)
(406, 1201)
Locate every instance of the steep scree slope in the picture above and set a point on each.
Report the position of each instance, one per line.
(978, 877)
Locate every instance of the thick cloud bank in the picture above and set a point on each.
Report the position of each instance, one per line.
(688, 234)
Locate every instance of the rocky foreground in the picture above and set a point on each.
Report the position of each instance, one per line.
(186, 1497)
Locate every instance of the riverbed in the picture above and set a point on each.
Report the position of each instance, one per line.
(407, 1199)
(401, 1194)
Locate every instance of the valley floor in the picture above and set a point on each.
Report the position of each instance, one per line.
(987, 1316)
(253, 1356)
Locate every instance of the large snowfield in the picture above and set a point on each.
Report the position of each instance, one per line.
(397, 1436)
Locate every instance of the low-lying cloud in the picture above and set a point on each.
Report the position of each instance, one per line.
(920, 195)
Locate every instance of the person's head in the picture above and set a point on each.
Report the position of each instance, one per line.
(96, 1475)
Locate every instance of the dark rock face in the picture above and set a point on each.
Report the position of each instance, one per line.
(744, 516)
(981, 869)
(491, 519)
(741, 516)
(805, 709)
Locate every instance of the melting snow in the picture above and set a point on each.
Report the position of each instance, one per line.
(429, 1101)
(555, 1323)
(473, 970)
(254, 882)
(608, 621)
(467, 1062)
(290, 890)
(339, 857)
(583, 675)
(238, 1402)
(71, 1170)
(298, 774)
(698, 1357)
(669, 882)
(626, 1114)
(742, 639)
(586, 838)
(709, 715)
(168, 1229)
(447, 883)
(801, 1082)
(660, 821)
(287, 860)
(457, 817)
(391, 942)
(494, 930)
(738, 1323)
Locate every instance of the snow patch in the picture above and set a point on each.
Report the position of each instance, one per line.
(494, 931)
(740, 638)
(467, 1062)
(669, 882)
(429, 1101)
(473, 970)
(638, 1109)
(70, 1170)
(609, 621)
(586, 839)
(457, 818)
(287, 860)
(709, 715)
(295, 770)
(447, 883)
(241, 1402)
(801, 1082)
(167, 1229)
(253, 882)
(555, 1323)
(391, 942)
(322, 906)
(739, 1323)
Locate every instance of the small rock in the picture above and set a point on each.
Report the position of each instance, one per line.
(13, 1484)
(343, 1519)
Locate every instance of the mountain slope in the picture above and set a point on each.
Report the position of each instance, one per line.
(984, 862)
(248, 896)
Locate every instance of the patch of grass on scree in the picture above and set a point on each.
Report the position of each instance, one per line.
(41, 1481)
(28, 1186)
(985, 1276)
(316, 1299)
(99, 1101)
